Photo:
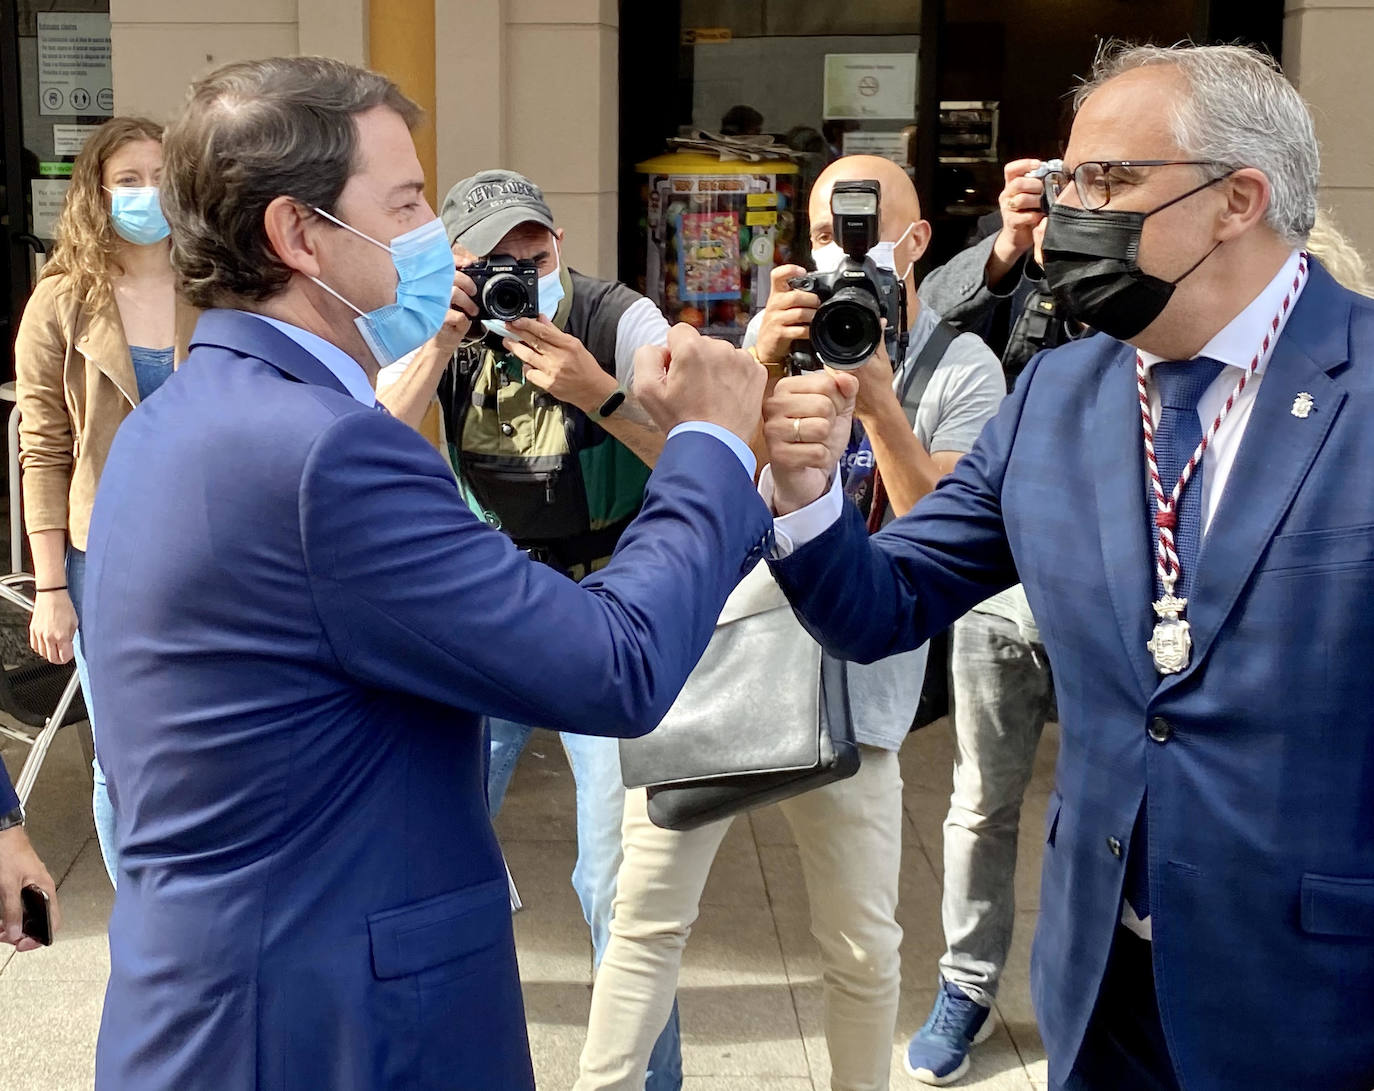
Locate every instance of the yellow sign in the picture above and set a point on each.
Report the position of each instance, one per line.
(762, 200)
(706, 35)
(760, 219)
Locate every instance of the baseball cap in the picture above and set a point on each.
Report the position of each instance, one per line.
(478, 211)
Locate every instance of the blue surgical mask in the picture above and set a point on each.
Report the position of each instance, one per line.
(137, 214)
(424, 291)
(550, 296)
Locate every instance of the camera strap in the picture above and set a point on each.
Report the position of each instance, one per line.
(913, 389)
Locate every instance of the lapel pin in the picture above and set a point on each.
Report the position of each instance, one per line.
(1302, 405)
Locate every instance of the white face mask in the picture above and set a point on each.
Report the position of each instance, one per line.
(827, 258)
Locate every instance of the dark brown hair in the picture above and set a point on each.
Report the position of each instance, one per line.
(252, 132)
(87, 247)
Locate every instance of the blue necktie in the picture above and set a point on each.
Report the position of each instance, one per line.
(1179, 431)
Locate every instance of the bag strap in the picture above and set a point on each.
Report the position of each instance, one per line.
(923, 367)
(918, 377)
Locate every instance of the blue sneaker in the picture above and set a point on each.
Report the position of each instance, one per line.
(938, 1053)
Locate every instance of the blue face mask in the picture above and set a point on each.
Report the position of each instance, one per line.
(137, 214)
(424, 291)
(550, 296)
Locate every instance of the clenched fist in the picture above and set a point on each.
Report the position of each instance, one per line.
(699, 379)
(806, 426)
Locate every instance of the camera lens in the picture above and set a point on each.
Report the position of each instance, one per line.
(504, 297)
(847, 328)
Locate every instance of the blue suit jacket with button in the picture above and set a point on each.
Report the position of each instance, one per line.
(1261, 787)
(294, 626)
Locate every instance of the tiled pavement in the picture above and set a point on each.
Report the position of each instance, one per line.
(750, 988)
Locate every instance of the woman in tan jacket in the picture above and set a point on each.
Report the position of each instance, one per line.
(100, 333)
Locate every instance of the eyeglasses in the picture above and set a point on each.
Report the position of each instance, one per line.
(1093, 180)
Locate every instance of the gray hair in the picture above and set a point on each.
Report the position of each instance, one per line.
(1240, 111)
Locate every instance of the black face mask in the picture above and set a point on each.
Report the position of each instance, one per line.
(1091, 268)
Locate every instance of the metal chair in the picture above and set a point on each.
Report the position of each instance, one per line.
(33, 691)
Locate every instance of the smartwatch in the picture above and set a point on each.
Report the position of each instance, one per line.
(14, 818)
(612, 403)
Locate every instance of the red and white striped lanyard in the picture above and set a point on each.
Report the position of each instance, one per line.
(1166, 513)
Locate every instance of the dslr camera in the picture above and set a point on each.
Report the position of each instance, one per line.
(507, 289)
(857, 296)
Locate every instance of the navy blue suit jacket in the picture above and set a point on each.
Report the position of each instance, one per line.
(295, 625)
(1261, 796)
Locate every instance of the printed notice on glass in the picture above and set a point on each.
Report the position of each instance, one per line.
(48, 195)
(70, 139)
(74, 75)
(884, 145)
(870, 85)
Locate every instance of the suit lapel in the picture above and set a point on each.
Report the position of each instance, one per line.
(1275, 455)
(1122, 527)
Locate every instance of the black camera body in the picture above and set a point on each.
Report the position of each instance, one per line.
(858, 296)
(506, 288)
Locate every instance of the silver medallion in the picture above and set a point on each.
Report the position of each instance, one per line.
(1172, 644)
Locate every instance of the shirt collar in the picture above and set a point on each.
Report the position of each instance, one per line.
(344, 368)
(1236, 342)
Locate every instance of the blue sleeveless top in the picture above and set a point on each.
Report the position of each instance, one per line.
(151, 368)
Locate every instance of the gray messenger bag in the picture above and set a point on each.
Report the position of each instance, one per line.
(764, 717)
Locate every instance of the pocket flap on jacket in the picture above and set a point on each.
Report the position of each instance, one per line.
(424, 934)
(1336, 906)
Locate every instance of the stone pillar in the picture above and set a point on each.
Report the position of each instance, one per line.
(499, 104)
(1327, 45)
(160, 46)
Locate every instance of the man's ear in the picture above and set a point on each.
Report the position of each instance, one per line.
(558, 236)
(291, 229)
(1248, 194)
(920, 239)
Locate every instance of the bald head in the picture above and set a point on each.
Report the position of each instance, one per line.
(900, 206)
(899, 210)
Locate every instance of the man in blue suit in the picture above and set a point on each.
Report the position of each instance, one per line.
(300, 623)
(1207, 909)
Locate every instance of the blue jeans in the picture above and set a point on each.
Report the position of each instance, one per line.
(595, 763)
(101, 808)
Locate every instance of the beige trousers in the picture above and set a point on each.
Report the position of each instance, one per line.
(849, 835)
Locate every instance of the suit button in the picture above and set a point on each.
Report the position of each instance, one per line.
(1160, 729)
(1115, 846)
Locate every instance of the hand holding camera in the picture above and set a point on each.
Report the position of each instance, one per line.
(837, 316)
(558, 363)
(1023, 207)
(786, 316)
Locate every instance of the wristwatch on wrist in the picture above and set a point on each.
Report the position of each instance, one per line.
(14, 818)
(612, 403)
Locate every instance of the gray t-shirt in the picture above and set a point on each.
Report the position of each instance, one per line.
(962, 396)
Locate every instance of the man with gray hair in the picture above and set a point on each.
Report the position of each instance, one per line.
(1187, 498)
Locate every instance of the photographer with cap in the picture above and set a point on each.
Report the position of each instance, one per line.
(549, 446)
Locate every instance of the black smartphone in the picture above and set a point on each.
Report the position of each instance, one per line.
(37, 918)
